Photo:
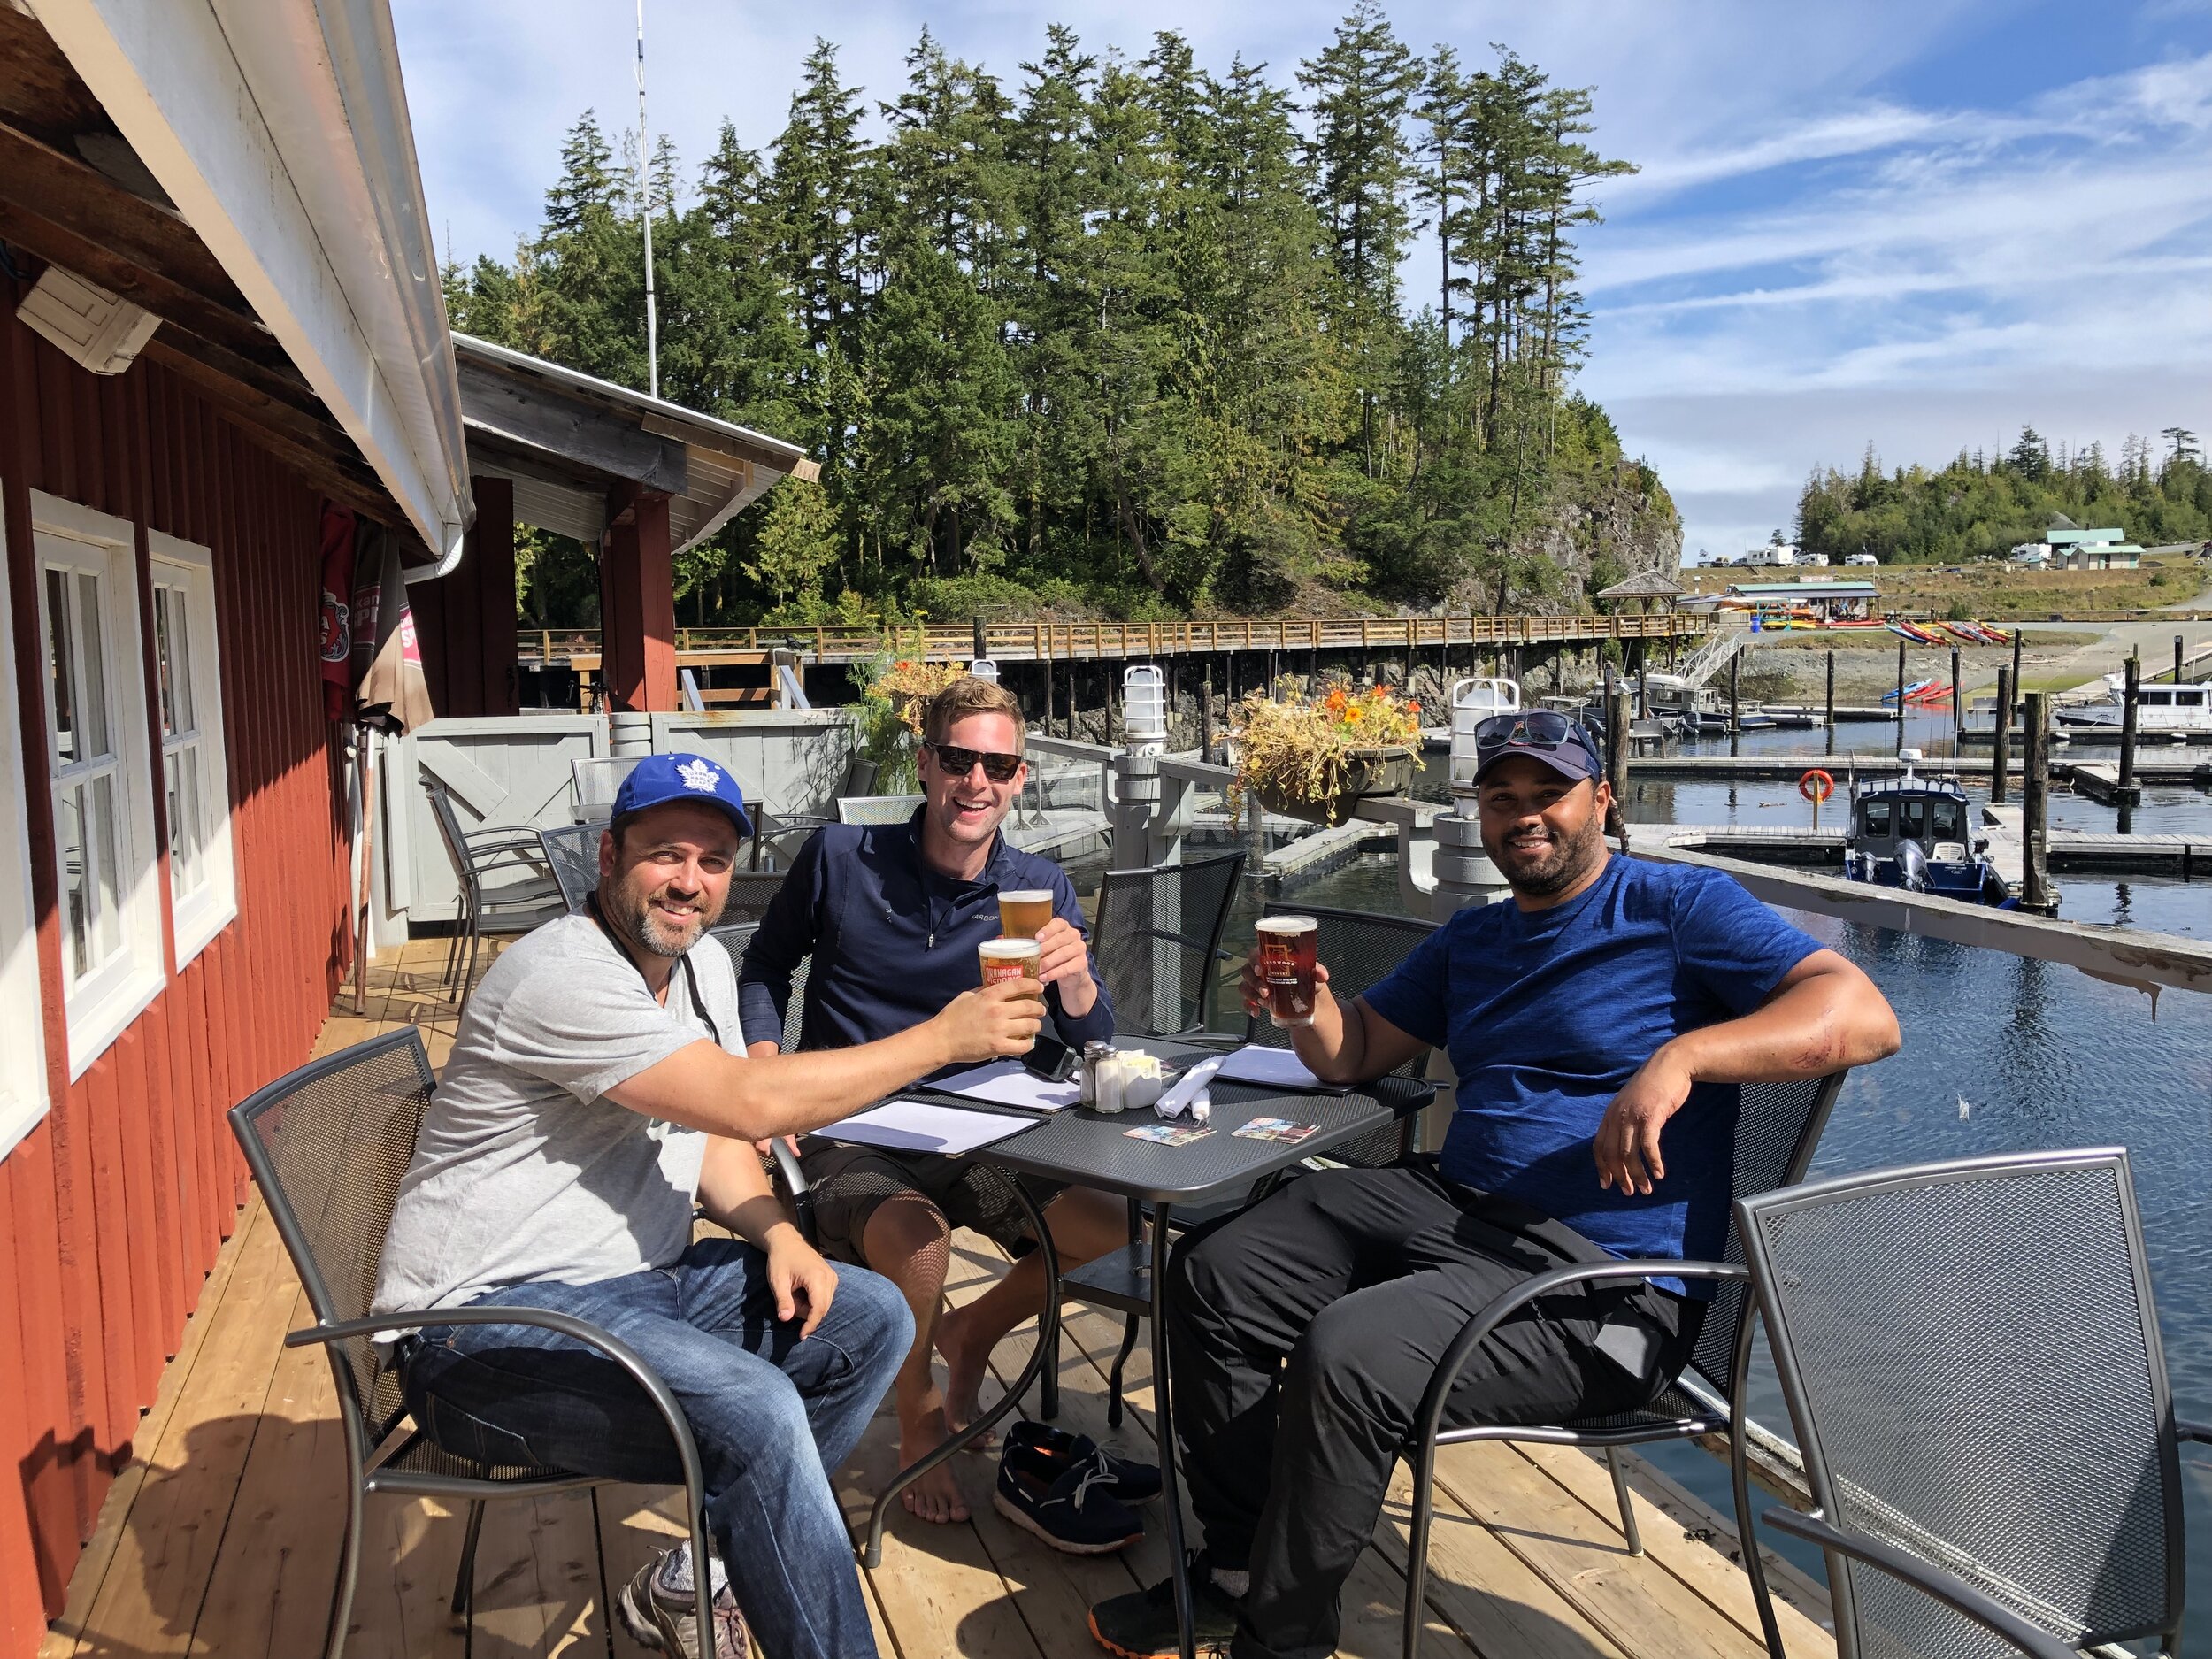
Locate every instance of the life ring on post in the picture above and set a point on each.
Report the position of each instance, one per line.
(1815, 786)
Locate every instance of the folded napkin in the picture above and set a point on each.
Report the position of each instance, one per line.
(1187, 1087)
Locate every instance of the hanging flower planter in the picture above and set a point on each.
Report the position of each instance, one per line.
(1385, 769)
(1316, 758)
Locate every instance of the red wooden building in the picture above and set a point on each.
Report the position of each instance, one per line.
(238, 179)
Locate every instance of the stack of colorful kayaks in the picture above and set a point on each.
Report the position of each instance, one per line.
(1921, 692)
(1949, 633)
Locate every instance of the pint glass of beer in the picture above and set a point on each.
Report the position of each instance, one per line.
(1023, 914)
(1010, 959)
(1286, 967)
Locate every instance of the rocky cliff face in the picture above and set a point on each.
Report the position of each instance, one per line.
(1608, 524)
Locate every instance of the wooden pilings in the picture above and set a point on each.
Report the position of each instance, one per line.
(2035, 800)
(2130, 698)
(1616, 740)
(2001, 744)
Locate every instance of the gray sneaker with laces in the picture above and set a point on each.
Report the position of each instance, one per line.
(659, 1610)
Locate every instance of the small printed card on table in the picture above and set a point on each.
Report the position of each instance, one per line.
(1168, 1134)
(1274, 1129)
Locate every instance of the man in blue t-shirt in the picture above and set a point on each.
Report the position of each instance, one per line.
(1600, 1026)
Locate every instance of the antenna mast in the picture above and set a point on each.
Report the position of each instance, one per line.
(645, 196)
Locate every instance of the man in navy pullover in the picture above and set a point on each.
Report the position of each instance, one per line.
(892, 915)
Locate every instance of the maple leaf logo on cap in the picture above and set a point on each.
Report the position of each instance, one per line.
(698, 775)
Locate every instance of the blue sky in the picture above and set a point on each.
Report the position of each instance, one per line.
(1918, 224)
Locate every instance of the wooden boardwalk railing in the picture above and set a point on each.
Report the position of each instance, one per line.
(1063, 641)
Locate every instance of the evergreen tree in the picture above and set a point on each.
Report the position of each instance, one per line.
(1126, 338)
(1362, 166)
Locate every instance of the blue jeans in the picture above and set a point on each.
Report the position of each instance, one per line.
(773, 1417)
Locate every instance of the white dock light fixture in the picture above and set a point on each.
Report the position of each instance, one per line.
(1144, 707)
(1473, 702)
(984, 668)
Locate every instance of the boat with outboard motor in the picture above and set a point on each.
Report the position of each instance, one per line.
(1916, 833)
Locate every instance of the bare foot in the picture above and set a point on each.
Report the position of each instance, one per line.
(936, 1495)
(965, 1362)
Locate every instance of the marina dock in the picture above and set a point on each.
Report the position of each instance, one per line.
(2082, 850)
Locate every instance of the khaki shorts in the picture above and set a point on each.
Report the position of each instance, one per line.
(848, 1182)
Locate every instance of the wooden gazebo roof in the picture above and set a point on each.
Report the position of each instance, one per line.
(1645, 585)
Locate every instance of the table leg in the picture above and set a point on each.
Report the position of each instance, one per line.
(1047, 1347)
(1163, 1423)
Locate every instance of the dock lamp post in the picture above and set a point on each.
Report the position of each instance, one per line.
(1464, 874)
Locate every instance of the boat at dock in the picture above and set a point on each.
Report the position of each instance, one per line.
(2161, 711)
(1916, 833)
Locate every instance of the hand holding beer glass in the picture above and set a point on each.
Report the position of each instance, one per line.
(1027, 913)
(1282, 974)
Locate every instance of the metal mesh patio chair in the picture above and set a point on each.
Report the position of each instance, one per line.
(779, 835)
(1777, 1127)
(1361, 949)
(875, 809)
(571, 853)
(749, 896)
(735, 936)
(327, 1145)
(1157, 940)
(1972, 1363)
(597, 781)
(503, 890)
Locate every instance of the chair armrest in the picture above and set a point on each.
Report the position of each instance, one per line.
(568, 1324)
(579, 1330)
(1952, 1591)
(1432, 1413)
(2200, 1433)
(794, 1178)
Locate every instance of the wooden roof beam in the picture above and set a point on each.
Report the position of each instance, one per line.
(542, 418)
(72, 215)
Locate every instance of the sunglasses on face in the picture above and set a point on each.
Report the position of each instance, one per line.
(959, 763)
(1533, 728)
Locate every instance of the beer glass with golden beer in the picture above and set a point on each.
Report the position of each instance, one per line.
(1010, 959)
(1023, 914)
(1286, 960)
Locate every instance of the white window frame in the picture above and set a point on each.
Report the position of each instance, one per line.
(23, 1094)
(187, 569)
(100, 1007)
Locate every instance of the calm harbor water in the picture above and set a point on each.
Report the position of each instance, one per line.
(2000, 1053)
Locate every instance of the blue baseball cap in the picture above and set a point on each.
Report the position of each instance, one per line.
(1542, 734)
(659, 778)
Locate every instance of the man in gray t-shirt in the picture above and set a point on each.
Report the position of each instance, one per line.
(597, 1087)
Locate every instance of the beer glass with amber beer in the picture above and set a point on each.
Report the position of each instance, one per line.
(1287, 959)
(1023, 914)
(1010, 959)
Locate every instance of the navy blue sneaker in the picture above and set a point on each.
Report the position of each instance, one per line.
(1065, 1503)
(1131, 1481)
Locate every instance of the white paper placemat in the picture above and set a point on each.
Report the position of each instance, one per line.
(913, 1126)
(1008, 1083)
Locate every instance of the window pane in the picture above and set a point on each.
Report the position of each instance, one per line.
(183, 772)
(93, 661)
(69, 835)
(162, 662)
(61, 690)
(180, 635)
(107, 923)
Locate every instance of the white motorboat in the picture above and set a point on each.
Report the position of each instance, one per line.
(2160, 710)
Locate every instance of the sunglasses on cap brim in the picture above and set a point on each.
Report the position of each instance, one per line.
(958, 762)
(1532, 728)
